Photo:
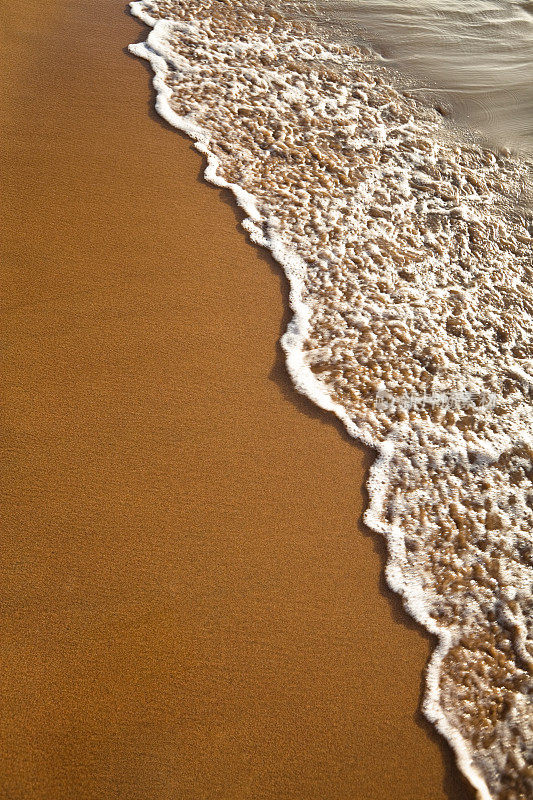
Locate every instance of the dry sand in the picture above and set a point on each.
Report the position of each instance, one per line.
(190, 606)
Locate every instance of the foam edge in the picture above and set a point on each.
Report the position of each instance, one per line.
(305, 382)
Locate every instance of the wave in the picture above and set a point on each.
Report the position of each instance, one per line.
(473, 54)
(408, 252)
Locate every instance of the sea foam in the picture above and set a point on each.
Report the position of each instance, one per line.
(408, 252)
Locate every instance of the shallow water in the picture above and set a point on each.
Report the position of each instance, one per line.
(408, 247)
(475, 56)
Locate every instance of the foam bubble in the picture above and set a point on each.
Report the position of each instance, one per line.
(408, 253)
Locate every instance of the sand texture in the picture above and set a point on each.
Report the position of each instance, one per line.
(190, 607)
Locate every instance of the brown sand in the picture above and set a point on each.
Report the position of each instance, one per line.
(190, 609)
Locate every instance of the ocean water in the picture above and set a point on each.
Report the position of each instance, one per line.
(407, 241)
(473, 57)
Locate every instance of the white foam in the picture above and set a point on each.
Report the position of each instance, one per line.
(266, 231)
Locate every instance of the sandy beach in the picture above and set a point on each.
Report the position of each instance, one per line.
(190, 606)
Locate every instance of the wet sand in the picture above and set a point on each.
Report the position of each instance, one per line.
(190, 606)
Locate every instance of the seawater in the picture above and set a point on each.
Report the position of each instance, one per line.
(407, 245)
(472, 57)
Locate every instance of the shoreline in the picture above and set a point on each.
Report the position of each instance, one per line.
(117, 456)
(292, 341)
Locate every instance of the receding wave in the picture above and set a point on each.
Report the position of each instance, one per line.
(408, 251)
(472, 56)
